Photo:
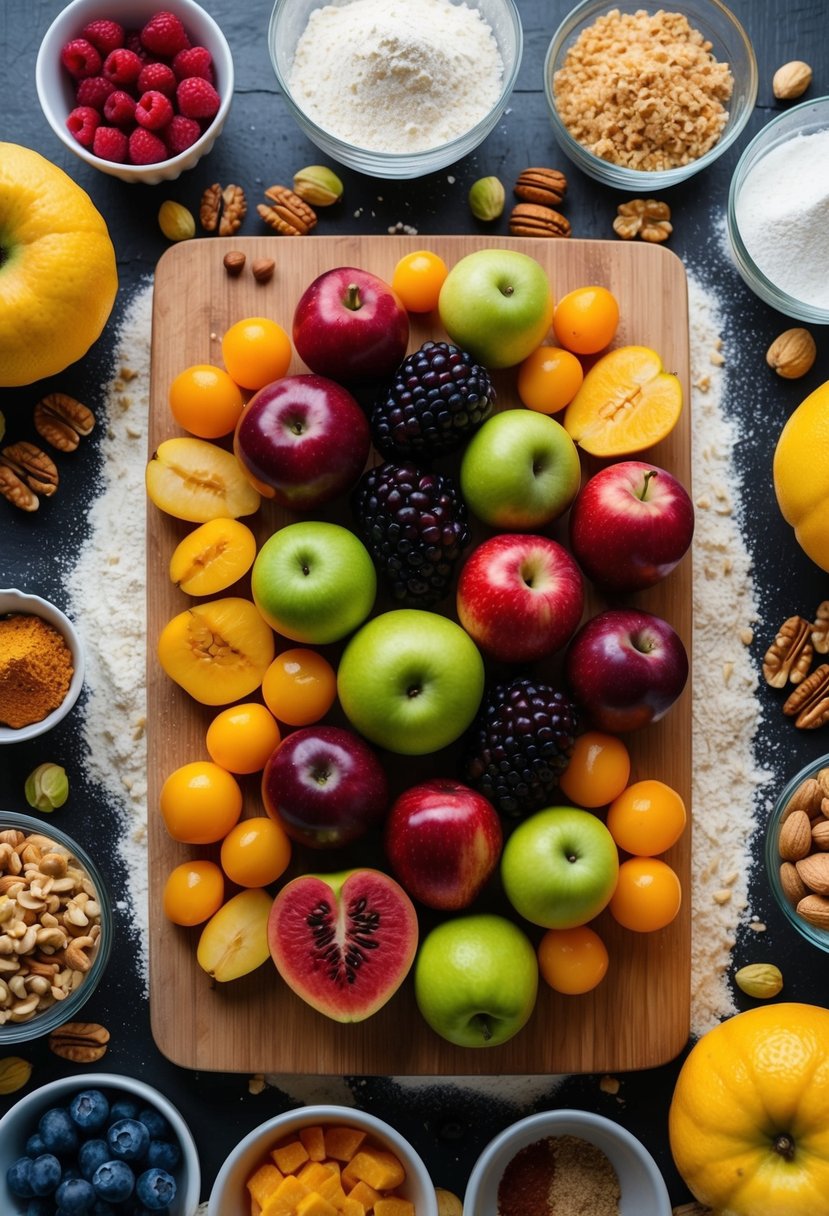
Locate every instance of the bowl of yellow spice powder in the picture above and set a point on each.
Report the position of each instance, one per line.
(41, 665)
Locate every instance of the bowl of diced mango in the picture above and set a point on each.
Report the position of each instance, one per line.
(323, 1161)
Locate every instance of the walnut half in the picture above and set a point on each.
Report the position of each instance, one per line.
(648, 218)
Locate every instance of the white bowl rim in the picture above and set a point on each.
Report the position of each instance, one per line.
(191, 1190)
(127, 171)
(29, 602)
(544, 1121)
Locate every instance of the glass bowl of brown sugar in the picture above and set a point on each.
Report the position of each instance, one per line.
(41, 665)
(566, 1161)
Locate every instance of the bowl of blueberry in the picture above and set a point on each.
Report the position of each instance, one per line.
(99, 1144)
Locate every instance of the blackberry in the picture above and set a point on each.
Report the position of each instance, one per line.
(414, 526)
(520, 744)
(438, 397)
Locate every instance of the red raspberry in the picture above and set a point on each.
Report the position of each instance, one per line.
(122, 67)
(164, 34)
(154, 110)
(157, 76)
(194, 61)
(94, 91)
(132, 42)
(181, 134)
(104, 35)
(119, 109)
(80, 59)
(146, 148)
(197, 98)
(110, 144)
(83, 122)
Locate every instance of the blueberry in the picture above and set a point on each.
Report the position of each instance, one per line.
(35, 1146)
(114, 1181)
(123, 1108)
(58, 1132)
(156, 1189)
(89, 1109)
(164, 1153)
(45, 1174)
(128, 1139)
(75, 1197)
(91, 1154)
(18, 1178)
(155, 1123)
(40, 1207)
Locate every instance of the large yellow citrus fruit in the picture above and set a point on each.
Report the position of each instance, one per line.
(749, 1120)
(801, 474)
(57, 268)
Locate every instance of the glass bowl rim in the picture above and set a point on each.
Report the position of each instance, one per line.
(817, 937)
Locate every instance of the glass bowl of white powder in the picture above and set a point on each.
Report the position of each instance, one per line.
(396, 88)
(778, 212)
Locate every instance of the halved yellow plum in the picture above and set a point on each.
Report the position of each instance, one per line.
(627, 403)
(199, 481)
(213, 557)
(218, 652)
(235, 939)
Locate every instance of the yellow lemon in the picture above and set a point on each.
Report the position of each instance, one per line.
(801, 474)
(57, 268)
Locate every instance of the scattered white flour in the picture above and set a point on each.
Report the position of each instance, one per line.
(784, 229)
(396, 75)
(107, 593)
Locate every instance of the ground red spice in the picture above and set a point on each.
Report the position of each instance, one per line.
(559, 1176)
(524, 1189)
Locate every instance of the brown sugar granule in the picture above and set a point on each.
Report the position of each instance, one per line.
(559, 1176)
(35, 669)
(643, 90)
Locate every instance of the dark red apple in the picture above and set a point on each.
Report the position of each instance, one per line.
(520, 597)
(630, 525)
(443, 840)
(302, 441)
(325, 785)
(350, 325)
(626, 668)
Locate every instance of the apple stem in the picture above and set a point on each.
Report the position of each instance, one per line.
(483, 1023)
(784, 1145)
(651, 473)
(353, 299)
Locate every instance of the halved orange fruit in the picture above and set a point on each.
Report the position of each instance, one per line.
(626, 403)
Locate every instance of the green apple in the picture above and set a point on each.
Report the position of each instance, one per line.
(411, 681)
(520, 470)
(476, 980)
(497, 304)
(314, 582)
(559, 867)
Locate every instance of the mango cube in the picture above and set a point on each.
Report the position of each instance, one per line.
(331, 1189)
(352, 1207)
(313, 1141)
(343, 1142)
(313, 1204)
(289, 1157)
(314, 1173)
(391, 1205)
(364, 1194)
(285, 1198)
(378, 1167)
(263, 1182)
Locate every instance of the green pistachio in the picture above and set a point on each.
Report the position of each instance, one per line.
(760, 980)
(486, 198)
(318, 186)
(175, 221)
(47, 787)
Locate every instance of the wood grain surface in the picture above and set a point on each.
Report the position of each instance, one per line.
(639, 1016)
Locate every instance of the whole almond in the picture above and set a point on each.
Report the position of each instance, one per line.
(820, 835)
(815, 910)
(807, 797)
(814, 870)
(794, 888)
(795, 837)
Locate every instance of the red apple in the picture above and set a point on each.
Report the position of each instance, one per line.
(350, 325)
(443, 841)
(626, 668)
(302, 440)
(520, 597)
(630, 525)
(325, 785)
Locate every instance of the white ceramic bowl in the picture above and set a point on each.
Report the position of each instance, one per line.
(230, 1198)
(288, 21)
(21, 1121)
(55, 92)
(642, 1186)
(12, 600)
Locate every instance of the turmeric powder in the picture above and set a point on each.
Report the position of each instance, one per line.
(35, 669)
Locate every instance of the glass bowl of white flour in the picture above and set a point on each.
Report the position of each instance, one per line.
(396, 88)
(778, 212)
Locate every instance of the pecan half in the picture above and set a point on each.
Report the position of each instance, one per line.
(234, 210)
(790, 654)
(545, 186)
(532, 219)
(62, 420)
(648, 218)
(81, 1042)
(210, 207)
(32, 465)
(809, 703)
(16, 491)
(288, 214)
(820, 628)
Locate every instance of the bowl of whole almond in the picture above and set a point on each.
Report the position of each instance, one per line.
(797, 852)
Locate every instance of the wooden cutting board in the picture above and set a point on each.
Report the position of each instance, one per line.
(639, 1016)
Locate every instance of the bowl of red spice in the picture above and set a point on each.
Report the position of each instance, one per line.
(566, 1162)
(41, 665)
